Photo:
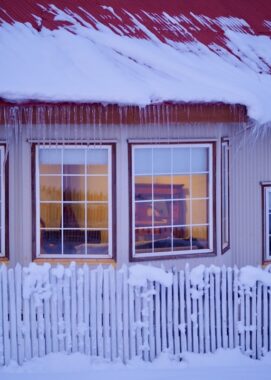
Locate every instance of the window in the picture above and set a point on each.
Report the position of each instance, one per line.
(74, 201)
(225, 209)
(172, 199)
(266, 192)
(3, 200)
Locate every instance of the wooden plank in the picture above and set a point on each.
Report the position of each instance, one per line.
(2, 359)
(236, 307)
(106, 316)
(26, 323)
(169, 318)
(230, 307)
(254, 321)
(138, 322)
(132, 329)
(259, 321)
(12, 314)
(125, 315)
(119, 314)
(269, 319)
(145, 315)
(100, 311)
(188, 309)
(54, 312)
(265, 320)
(74, 308)
(19, 309)
(212, 313)
(151, 319)
(218, 307)
(176, 332)
(224, 307)
(86, 297)
(206, 308)
(242, 318)
(6, 326)
(112, 281)
(182, 326)
(200, 319)
(40, 328)
(163, 318)
(33, 327)
(67, 310)
(80, 311)
(93, 312)
(157, 310)
(247, 320)
(195, 325)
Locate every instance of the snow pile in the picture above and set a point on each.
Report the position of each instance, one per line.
(140, 274)
(249, 275)
(36, 282)
(83, 64)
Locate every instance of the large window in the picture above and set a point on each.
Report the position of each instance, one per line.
(225, 198)
(74, 201)
(266, 192)
(3, 224)
(172, 199)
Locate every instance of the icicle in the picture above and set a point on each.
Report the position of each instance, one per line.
(94, 124)
(75, 122)
(68, 121)
(49, 116)
(88, 123)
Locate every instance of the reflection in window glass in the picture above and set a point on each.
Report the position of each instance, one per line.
(172, 201)
(74, 200)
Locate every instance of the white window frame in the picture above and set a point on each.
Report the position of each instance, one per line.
(3, 203)
(38, 147)
(225, 192)
(211, 218)
(266, 194)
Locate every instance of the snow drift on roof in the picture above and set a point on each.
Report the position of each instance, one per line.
(129, 56)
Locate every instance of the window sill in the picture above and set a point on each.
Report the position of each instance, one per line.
(173, 257)
(77, 261)
(4, 260)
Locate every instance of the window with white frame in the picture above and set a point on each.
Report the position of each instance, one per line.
(3, 252)
(266, 191)
(172, 199)
(225, 200)
(74, 201)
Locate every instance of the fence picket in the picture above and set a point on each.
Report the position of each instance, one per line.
(265, 320)
(259, 320)
(67, 310)
(176, 331)
(206, 311)
(157, 311)
(230, 307)
(106, 317)
(6, 327)
(86, 309)
(54, 313)
(218, 307)
(18, 297)
(188, 309)
(151, 320)
(99, 291)
(254, 321)
(247, 320)
(125, 312)
(212, 312)
(224, 307)
(112, 279)
(80, 311)
(2, 360)
(236, 307)
(93, 312)
(182, 326)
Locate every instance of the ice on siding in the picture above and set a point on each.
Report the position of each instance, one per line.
(83, 63)
(139, 275)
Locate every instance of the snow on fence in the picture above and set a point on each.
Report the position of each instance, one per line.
(137, 311)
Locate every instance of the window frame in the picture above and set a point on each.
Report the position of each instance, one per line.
(266, 189)
(36, 255)
(4, 248)
(133, 257)
(225, 143)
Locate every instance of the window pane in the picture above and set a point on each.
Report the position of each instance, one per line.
(270, 223)
(143, 161)
(50, 242)
(74, 188)
(73, 161)
(50, 215)
(181, 213)
(269, 200)
(162, 187)
(199, 160)
(143, 214)
(162, 213)
(162, 160)
(143, 188)
(162, 239)
(97, 161)
(74, 242)
(97, 242)
(181, 160)
(97, 215)
(181, 238)
(199, 185)
(73, 215)
(97, 188)
(50, 188)
(50, 161)
(199, 211)
(143, 240)
(181, 186)
(200, 237)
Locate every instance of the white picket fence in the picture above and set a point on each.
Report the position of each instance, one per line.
(97, 312)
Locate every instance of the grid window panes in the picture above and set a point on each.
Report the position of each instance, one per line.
(225, 232)
(2, 202)
(172, 199)
(74, 201)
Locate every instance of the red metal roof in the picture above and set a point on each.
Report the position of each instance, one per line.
(177, 20)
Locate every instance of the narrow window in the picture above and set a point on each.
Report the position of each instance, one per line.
(266, 192)
(172, 199)
(3, 227)
(225, 207)
(74, 201)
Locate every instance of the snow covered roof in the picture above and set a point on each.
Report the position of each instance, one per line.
(137, 52)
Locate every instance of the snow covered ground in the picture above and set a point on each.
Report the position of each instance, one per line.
(223, 365)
